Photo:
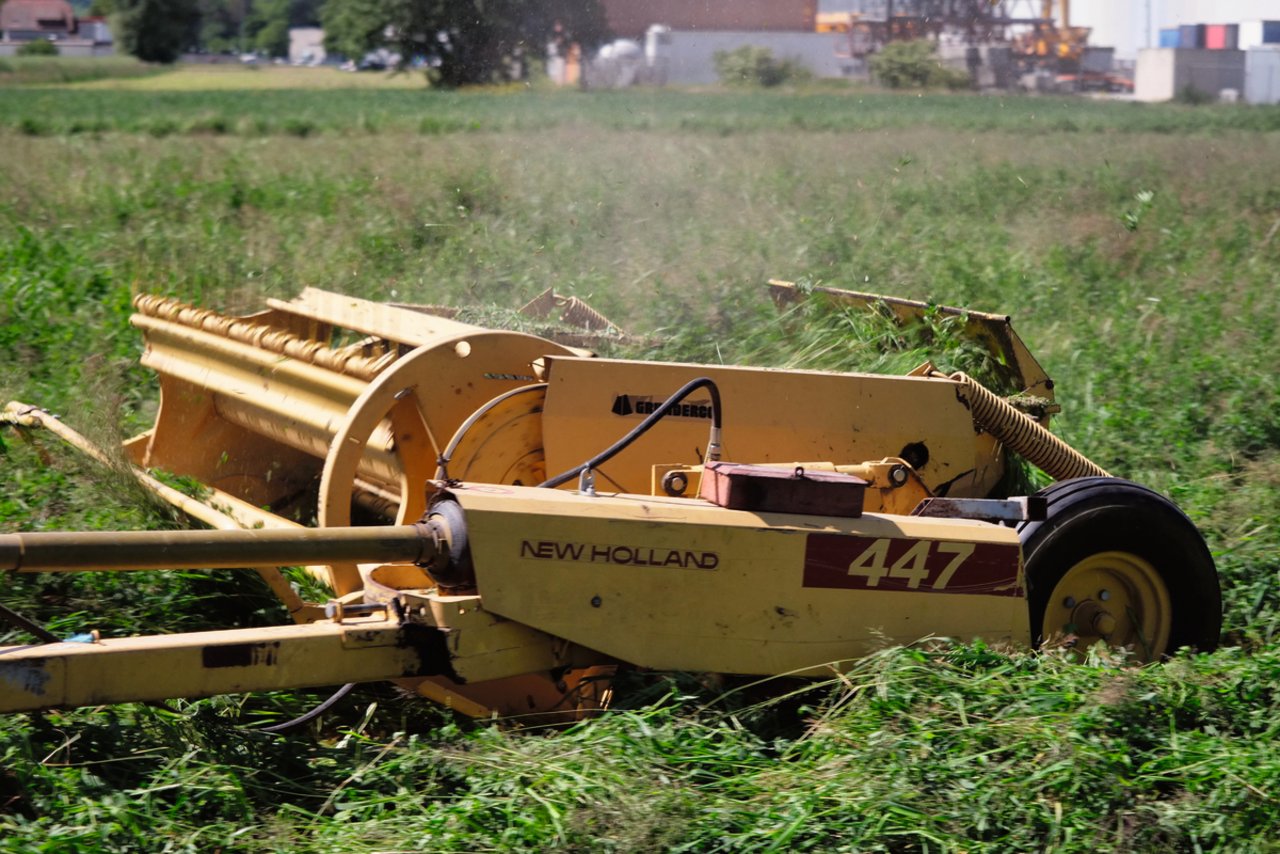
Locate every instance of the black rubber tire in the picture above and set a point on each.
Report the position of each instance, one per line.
(1090, 515)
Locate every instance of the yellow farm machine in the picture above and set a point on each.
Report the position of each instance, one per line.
(503, 520)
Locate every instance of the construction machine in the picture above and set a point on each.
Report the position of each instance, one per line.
(1049, 44)
(502, 520)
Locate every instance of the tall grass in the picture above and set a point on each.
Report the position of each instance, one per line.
(1137, 250)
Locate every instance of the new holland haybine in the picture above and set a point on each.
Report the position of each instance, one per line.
(503, 520)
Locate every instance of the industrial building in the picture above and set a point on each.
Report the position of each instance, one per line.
(1238, 60)
(631, 19)
(1000, 43)
(23, 21)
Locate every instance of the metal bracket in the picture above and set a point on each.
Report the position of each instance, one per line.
(1023, 508)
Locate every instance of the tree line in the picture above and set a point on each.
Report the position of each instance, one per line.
(457, 42)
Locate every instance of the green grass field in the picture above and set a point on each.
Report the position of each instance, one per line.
(58, 71)
(256, 78)
(1136, 246)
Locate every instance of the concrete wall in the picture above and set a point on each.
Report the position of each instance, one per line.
(1262, 75)
(690, 57)
(65, 48)
(1153, 79)
(1163, 73)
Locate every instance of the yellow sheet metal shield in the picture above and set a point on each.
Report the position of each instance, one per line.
(677, 584)
(770, 417)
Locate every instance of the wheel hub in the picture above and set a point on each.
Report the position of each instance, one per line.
(1114, 597)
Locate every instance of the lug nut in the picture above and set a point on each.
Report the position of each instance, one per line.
(1069, 602)
(1104, 595)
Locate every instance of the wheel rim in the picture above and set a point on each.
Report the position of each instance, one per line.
(1115, 597)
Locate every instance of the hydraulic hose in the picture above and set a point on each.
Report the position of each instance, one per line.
(1021, 434)
(713, 445)
(308, 717)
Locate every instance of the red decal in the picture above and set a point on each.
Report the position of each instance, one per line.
(918, 566)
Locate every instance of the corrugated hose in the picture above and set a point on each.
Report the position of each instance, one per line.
(1020, 433)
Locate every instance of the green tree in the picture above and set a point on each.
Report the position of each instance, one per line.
(237, 26)
(352, 28)
(304, 13)
(156, 30)
(269, 27)
(221, 25)
(463, 41)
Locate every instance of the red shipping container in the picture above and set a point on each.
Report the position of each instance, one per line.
(1215, 36)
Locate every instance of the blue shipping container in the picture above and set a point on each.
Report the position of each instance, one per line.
(1169, 38)
(1190, 35)
(1271, 32)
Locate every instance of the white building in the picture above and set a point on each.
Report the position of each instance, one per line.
(306, 45)
(1132, 26)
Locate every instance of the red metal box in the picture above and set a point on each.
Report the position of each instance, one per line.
(782, 490)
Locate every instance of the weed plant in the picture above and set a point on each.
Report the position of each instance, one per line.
(1136, 247)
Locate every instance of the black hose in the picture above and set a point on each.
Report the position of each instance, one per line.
(643, 427)
(313, 714)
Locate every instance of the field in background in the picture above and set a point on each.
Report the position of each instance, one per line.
(211, 101)
(52, 71)
(1137, 248)
(253, 78)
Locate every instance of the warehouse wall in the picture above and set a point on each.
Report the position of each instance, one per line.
(690, 58)
(1262, 76)
(1163, 73)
